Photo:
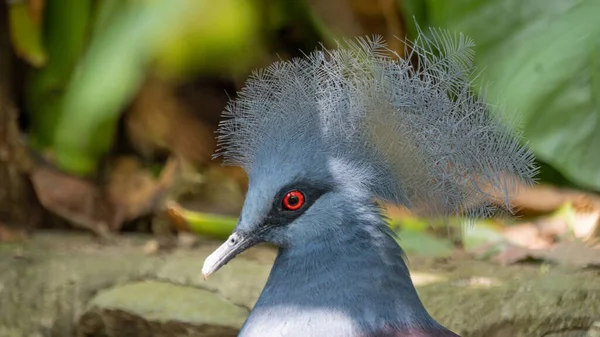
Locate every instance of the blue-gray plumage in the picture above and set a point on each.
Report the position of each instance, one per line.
(322, 138)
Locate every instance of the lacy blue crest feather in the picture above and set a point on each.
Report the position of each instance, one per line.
(417, 133)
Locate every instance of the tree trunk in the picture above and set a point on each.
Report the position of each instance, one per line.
(19, 210)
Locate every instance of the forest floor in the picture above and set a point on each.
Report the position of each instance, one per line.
(68, 284)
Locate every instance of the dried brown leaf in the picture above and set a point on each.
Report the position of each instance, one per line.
(134, 190)
(159, 122)
(363, 17)
(546, 198)
(526, 235)
(573, 253)
(36, 10)
(74, 199)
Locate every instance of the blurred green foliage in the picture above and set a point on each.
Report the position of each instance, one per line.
(26, 34)
(177, 36)
(90, 57)
(64, 38)
(542, 59)
(100, 52)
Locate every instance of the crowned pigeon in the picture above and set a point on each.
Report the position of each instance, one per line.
(323, 139)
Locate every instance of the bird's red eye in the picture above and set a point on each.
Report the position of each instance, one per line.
(293, 200)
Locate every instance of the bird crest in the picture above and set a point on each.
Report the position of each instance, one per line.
(411, 130)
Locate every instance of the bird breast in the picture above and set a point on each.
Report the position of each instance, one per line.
(289, 322)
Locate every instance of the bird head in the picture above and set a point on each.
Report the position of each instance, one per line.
(322, 134)
(297, 197)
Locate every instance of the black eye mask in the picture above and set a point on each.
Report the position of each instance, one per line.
(280, 216)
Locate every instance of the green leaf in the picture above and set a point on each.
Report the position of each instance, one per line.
(104, 11)
(172, 34)
(65, 36)
(26, 34)
(424, 244)
(482, 234)
(212, 37)
(213, 225)
(542, 58)
(108, 76)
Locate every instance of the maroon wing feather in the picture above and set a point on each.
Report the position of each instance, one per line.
(414, 332)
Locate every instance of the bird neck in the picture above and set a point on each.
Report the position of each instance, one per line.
(359, 273)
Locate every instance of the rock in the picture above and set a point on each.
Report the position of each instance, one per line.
(66, 284)
(158, 306)
(594, 330)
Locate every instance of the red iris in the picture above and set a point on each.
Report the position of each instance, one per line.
(293, 200)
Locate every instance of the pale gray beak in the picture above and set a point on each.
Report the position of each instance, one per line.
(235, 244)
